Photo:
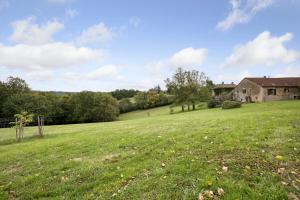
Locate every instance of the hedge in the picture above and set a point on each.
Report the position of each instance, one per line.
(231, 104)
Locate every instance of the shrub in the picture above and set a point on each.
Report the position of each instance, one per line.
(214, 103)
(231, 104)
(171, 110)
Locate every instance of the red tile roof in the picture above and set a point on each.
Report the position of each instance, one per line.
(277, 82)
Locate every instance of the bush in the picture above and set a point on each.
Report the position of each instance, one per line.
(231, 104)
(214, 103)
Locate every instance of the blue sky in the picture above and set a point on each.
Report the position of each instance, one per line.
(75, 45)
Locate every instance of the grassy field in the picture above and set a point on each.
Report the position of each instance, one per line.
(251, 153)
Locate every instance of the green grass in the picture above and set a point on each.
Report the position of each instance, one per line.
(123, 159)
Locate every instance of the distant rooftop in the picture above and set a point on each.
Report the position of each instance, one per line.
(225, 86)
(276, 82)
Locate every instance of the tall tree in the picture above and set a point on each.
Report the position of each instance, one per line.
(188, 87)
(178, 87)
(141, 100)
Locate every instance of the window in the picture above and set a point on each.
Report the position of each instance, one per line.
(271, 91)
(286, 90)
(244, 90)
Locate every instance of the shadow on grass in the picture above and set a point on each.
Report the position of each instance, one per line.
(26, 139)
(198, 107)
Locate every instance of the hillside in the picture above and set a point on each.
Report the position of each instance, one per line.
(251, 153)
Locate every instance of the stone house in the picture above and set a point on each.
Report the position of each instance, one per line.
(267, 89)
(221, 90)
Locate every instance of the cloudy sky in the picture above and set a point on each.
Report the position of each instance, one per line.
(74, 45)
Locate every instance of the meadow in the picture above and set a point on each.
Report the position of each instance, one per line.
(250, 152)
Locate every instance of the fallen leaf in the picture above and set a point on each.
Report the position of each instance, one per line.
(284, 183)
(209, 183)
(201, 197)
(208, 193)
(278, 157)
(281, 170)
(220, 191)
(225, 169)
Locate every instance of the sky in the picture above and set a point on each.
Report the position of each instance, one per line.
(76, 45)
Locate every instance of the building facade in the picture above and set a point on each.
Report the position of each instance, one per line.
(221, 90)
(267, 89)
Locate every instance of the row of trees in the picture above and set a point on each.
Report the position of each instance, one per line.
(16, 96)
(185, 88)
(144, 100)
(123, 93)
(189, 88)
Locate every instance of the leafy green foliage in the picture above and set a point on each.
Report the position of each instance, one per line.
(93, 107)
(22, 120)
(231, 104)
(213, 103)
(126, 105)
(189, 87)
(16, 97)
(123, 93)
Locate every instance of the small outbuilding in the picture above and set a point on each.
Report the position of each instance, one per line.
(267, 89)
(221, 90)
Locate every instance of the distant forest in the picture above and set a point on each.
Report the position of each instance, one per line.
(184, 88)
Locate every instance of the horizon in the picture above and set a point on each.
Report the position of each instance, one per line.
(72, 46)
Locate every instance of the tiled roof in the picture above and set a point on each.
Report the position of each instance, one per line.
(277, 82)
(220, 86)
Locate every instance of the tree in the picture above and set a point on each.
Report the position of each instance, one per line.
(16, 85)
(121, 94)
(22, 120)
(125, 105)
(188, 87)
(93, 107)
(141, 100)
(152, 98)
(196, 82)
(177, 86)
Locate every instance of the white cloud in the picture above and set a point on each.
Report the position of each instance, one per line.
(263, 50)
(107, 72)
(242, 12)
(232, 77)
(51, 55)
(27, 32)
(41, 75)
(135, 21)
(289, 71)
(71, 13)
(188, 58)
(95, 33)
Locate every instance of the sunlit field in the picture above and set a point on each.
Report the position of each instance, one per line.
(250, 152)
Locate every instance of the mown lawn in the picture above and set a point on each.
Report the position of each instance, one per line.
(160, 156)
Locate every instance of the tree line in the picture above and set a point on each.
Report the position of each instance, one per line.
(81, 107)
(184, 88)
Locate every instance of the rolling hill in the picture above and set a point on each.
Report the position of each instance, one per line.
(251, 153)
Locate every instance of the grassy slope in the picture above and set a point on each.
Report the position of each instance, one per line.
(90, 161)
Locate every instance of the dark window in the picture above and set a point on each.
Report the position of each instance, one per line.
(244, 90)
(271, 91)
(286, 90)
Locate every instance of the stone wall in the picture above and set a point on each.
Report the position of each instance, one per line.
(247, 90)
(282, 93)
